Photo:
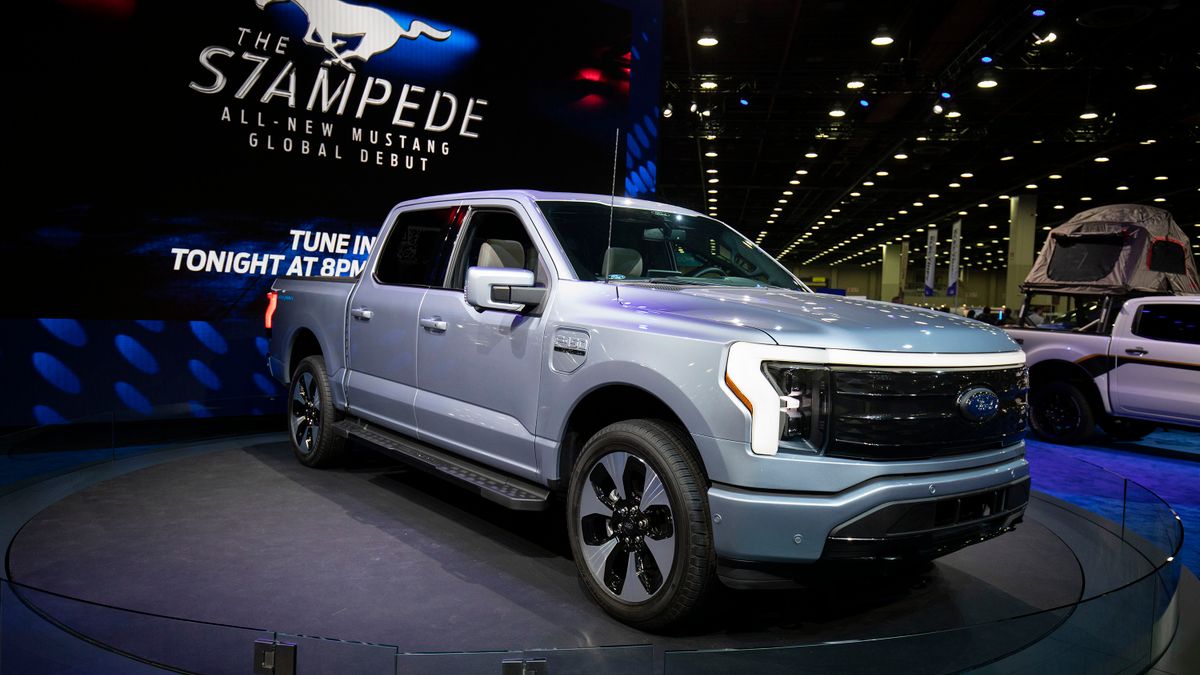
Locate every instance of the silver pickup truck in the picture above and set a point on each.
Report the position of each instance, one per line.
(703, 414)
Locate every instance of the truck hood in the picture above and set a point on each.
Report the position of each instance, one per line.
(801, 319)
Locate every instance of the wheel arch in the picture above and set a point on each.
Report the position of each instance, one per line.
(1059, 370)
(607, 404)
(303, 344)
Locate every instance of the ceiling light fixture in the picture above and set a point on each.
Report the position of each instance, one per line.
(1089, 112)
(708, 38)
(837, 111)
(987, 79)
(1100, 159)
(955, 185)
(855, 83)
(1054, 176)
(708, 84)
(1145, 83)
(811, 154)
(882, 37)
(710, 153)
(900, 155)
(668, 110)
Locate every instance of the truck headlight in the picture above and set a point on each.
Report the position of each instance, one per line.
(803, 403)
(788, 401)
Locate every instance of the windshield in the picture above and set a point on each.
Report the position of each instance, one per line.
(659, 247)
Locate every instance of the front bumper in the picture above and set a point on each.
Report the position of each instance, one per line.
(884, 517)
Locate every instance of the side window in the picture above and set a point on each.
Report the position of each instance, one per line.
(496, 238)
(1169, 322)
(417, 251)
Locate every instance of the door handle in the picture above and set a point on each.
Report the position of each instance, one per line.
(362, 313)
(1137, 351)
(433, 323)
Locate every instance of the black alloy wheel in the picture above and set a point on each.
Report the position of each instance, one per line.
(639, 524)
(1061, 413)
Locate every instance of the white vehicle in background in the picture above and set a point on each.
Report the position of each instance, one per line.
(1141, 371)
(1128, 356)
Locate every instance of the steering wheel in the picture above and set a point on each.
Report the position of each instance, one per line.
(705, 270)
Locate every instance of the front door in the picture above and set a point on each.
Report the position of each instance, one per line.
(382, 330)
(479, 371)
(1158, 363)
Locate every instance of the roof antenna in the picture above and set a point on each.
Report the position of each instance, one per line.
(612, 205)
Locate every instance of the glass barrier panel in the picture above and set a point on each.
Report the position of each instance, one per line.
(627, 660)
(323, 655)
(939, 652)
(1081, 483)
(140, 638)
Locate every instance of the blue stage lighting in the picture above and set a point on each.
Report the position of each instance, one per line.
(1039, 12)
(986, 59)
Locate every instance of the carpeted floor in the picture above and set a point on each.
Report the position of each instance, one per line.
(1173, 478)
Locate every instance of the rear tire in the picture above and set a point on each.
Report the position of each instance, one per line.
(1061, 413)
(311, 416)
(641, 539)
(1126, 429)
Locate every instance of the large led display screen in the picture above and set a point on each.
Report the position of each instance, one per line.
(174, 158)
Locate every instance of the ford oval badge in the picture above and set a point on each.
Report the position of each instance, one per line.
(979, 404)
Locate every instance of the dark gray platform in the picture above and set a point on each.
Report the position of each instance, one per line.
(374, 552)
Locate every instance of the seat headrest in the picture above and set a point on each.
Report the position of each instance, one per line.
(501, 253)
(624, 261)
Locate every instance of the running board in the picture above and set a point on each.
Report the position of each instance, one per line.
(508, 491)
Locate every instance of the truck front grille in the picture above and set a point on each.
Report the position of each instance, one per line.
(895, 414)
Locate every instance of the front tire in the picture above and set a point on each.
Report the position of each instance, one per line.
(311, 416)
(1061, 413)
(639, 524)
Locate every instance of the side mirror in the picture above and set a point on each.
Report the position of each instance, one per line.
(504, 288)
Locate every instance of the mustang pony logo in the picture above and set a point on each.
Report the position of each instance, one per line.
(379, 32)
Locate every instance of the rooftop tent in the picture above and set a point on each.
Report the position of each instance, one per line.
(1121, 248)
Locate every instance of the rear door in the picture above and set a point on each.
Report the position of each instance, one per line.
(1157, 353)
(382, 330)
(479, 371)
